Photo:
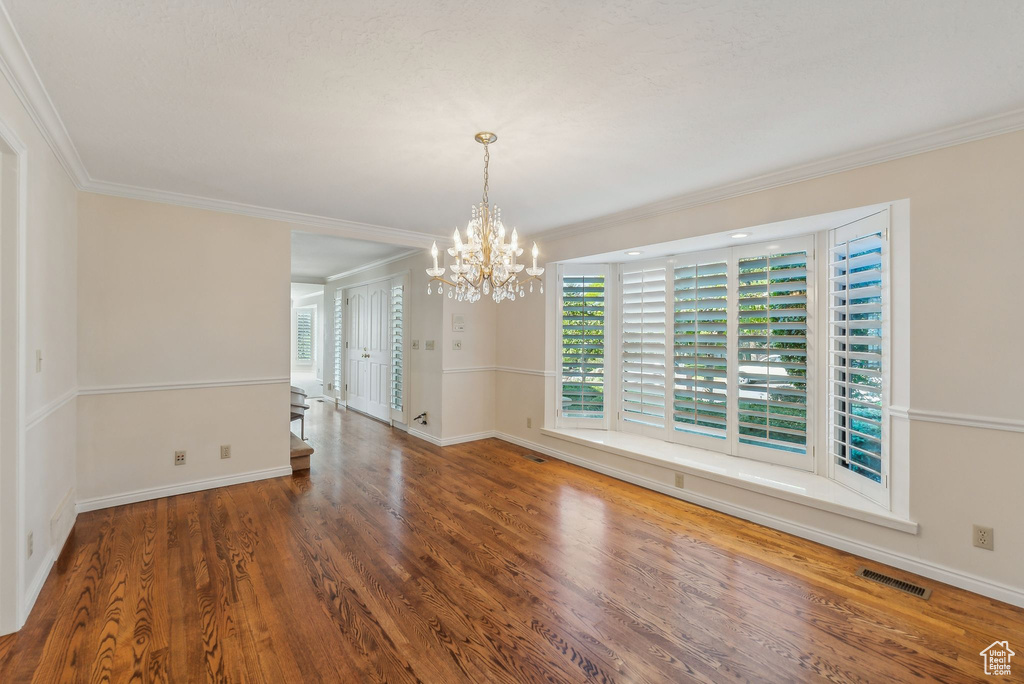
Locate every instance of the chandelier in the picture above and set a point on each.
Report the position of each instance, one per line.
(485, 263)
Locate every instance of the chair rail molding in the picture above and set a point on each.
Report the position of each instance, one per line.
(163, 387)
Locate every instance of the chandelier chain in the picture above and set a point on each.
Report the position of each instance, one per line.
(487, 163)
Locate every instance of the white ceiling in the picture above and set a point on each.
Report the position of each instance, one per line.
(320, 256)
(365, 110)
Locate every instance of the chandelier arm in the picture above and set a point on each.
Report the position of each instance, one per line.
(443, 280)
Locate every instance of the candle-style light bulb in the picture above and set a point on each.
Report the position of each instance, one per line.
(433, 253)
(536, 252)
(515, 240)
(458, 240)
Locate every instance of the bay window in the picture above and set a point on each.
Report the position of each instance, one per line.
(721, 350)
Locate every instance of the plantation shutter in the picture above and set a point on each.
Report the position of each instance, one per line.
(772, 357)
(856, 352)
(304, 335)
(339, 351)
(700, 354)
(397, 345)
(583, 344)
(643, 348)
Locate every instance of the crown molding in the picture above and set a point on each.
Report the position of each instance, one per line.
(905, 147)
(374, 264)
(17, 67)
(334, 226)
(309, 280)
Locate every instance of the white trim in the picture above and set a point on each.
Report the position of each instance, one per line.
(956, 578)
(17, 67)
(449, 441)
(183, 488)
(373, 264)
(52, 554)
(1007, 122)
(526, 371)
(122, 389)
(308, 280)
(13, 502)
(419, 434)
(46, 410)
(36, 586)
(966, 420)
(503, 369)
(336, 226)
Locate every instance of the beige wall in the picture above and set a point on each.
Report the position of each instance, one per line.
(171, 295)
(50, 326)
(966, 204)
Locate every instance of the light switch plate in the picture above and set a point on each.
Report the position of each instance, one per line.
(457, 345)
(415, 344)
(429, 345)
(458, 323)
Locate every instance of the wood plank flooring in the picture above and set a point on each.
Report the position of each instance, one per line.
(394, 560)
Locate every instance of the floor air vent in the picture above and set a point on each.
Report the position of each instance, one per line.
(535, 459)
(906, 587)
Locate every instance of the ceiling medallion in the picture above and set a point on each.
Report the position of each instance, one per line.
(485, 263)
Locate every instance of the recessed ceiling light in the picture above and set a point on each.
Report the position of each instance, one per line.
(773, 246)
(737, 236)
(634, 253)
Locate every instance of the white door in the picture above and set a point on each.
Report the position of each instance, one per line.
(369, 349)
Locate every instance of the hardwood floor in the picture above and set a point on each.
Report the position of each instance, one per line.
(394, 560)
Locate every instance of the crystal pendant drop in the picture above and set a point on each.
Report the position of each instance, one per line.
(428, 288)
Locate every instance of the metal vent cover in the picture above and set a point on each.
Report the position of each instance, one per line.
(889, 581)
(535, 459)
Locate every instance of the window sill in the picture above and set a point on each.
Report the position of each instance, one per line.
(780, 482)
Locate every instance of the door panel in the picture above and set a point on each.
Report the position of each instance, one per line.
(369, 349)
(356, 365)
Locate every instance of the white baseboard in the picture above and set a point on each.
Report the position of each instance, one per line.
(449, 441)
(183, 488)
(941, 573)
(36, 586)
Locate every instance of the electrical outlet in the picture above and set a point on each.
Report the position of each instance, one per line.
(29, 542)
(984, 537)
(529, 423)
(179, 458)
(457, 345)
(429, 345)
(679, 481)
(225, 451)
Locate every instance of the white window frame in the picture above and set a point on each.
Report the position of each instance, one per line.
(879, 492)
(610, 407)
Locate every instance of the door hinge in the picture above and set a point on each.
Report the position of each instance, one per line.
(346, 387)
